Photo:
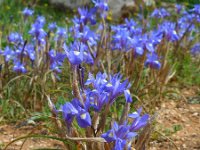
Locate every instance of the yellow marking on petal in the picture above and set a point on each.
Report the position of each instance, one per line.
(128, 91)
(110, 134)
(83, 116)
(109, 84)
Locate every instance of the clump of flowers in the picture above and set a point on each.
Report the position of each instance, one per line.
(107, 53)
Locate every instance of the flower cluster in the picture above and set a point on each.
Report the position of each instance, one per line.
(111, 48)
(26, 53)
(103, 93)
(123, 134)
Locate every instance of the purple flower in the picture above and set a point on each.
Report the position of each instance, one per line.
(37, 31)
(117, 87)
(56, 60)
(178, 8)
(128, 96)
(195, 50)
(120, 134)
(106, 91)
(98, 96)
(27, 12)
(86, 35)
(19, 67)
(152, 61)
(30, 51)
(101, 5)
(74, 56)
(15, 37)
(139, 121)
(156, 37)
(196, 9)
(160, 13)
(168, 29)
(87, 15)
(40, 20)
(135, 114)
(99, 82)
(121, 39)
(73, 110)
(77, 53)
(141, 43)
(61, 33)
(52, 26)
(131, 25)
(96, 99)
(18, 51)
(8, 53)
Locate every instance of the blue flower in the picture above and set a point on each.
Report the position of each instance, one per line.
(138, 121)
(152, 61)
(178, 8)
(8, 53)
(40, 20)
(141, 43)
(15, 37)
(195, 50)
(56, 60)
(19, 67)
(73, 110)
(96, 99)
(52, 26)
(168, 29)
(120, 134)
(196, 9)
(121, 39)
(131, 25)
(160, 13)
(123, 134)
(30, 51)
(27, 12)
(117, 87)
(136, 114)
(87, 15)
(106, 90)
(61, 33)
(77, 53)
(99, 95)
(74, 56)
(86, 35)
(128, 96)
(101, 5)
(37, 31)
(99, 82)
(156, 37)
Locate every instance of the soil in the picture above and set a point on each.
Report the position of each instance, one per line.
(177, 127)
(179, 123)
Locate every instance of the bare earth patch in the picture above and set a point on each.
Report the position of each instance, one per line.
(179, 120)
(10, 132)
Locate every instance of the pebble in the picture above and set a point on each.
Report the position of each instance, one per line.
(195, 114)
(18, 143)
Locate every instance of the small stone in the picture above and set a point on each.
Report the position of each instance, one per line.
(18, 143)
(114, 5)
(195, 114)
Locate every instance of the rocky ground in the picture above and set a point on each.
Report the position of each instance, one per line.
(178, 127)
(179, 123)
